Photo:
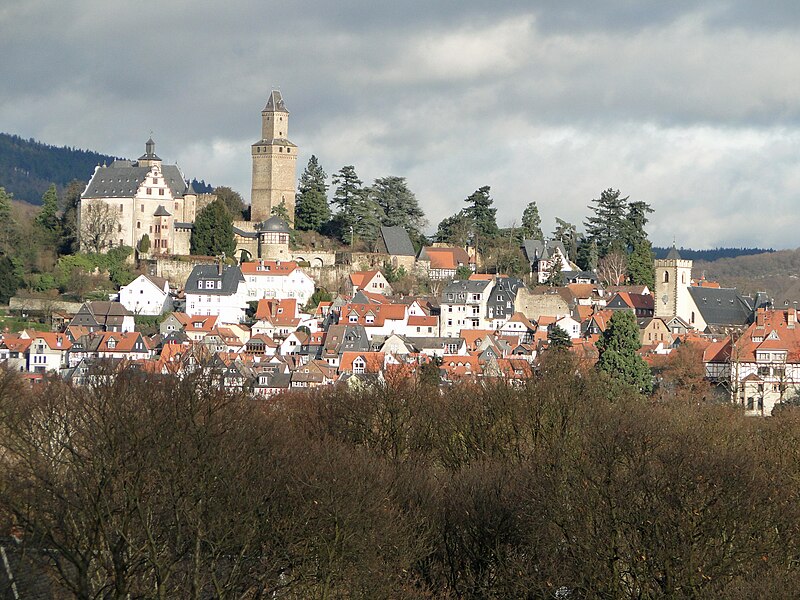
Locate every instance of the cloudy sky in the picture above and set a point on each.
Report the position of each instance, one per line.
(692, 107)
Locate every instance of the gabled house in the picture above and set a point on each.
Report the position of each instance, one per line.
(441, 263)
(396, 242)
(640, 304)
(543, 255)
(369, 281)
(217, 290)
(146, 295)
(500, 304)
(47, 352)
(277, 279)
(104, 316)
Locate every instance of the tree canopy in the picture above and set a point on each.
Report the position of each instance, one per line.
(532, 222)
(619, 358)
(311, 210)
(398, 204)
(213, 231)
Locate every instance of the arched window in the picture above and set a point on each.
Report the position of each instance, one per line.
(691, 320)
(683, 278)
(666, 276)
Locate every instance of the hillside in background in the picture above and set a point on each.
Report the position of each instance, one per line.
(28, 167)
(710, 255)
(776, 273)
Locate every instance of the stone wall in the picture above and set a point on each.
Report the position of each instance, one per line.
(176, 271)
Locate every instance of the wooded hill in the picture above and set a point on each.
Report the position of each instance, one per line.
(712, 254)
(776, 273)
(28, 167)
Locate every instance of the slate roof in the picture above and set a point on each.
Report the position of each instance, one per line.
(721, 306)
(542, 249)
(161, 212)
(274, 224)
(275, 103)
(397, 241)
(123, 178)
(673, 254)
(231, 276)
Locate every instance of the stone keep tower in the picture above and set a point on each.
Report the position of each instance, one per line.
(673, 278)
(274, 162)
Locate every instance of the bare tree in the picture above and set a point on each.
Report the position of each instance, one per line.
(613, 268)
(98, 221)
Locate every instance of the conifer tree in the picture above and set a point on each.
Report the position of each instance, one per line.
(399, 206)
(619, 358)
(47, 219)
(558, 338)
(641, 269)
(8, 227)
(532, 223)
(311, 210)
(607, 227)
(213, 231)
(482, 215)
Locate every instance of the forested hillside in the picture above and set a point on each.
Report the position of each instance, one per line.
(776, 273)
(710, 255)
(28, 167)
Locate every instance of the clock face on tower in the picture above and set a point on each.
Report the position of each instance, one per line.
(665, 298)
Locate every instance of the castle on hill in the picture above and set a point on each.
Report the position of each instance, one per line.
(128, 200)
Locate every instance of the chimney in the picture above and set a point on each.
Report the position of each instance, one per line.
(760, 316)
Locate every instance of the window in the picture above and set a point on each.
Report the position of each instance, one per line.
(138, 224)
(120, 208)
(666, 276)
(149, 191)
(161, 192)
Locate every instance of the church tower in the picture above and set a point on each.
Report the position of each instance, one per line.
(274, 163)
(673, 278)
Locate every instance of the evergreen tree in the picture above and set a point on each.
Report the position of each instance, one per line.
(144, 244)
(399, 206)
(641, 269)
(213, 231)
(47, 219)
(532, 223)
(70, 203)
(635, 221)
(558, 338)
(9, 282)
(619, 358)
(367, 218)
(587, 254)
(346, 197)
(8, 226)
(482, 215)
(567, 234)
(608, 227)
(280, 211)
(454, 230)
(311, 207)
(232, 201)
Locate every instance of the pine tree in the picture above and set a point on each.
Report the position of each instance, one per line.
(9, 282)
(532, 223)
(8, 226)
(607, 227)
(619, 358)
(555, 278)
(346, 196)
(635, 221)
(47, 219)
(482, 215)
(558, 338)
(399, 206)
(281, 210)
(213, 231)
(367, 218)
(454, 230)
(311, 210)
(70, 202)
(641, 269)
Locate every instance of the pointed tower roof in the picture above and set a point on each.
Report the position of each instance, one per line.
(275, 103)
(149, 151)
(674, 254)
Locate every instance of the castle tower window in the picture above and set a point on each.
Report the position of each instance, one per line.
(666, 276)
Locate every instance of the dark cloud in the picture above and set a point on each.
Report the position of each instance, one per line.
(691, 107)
